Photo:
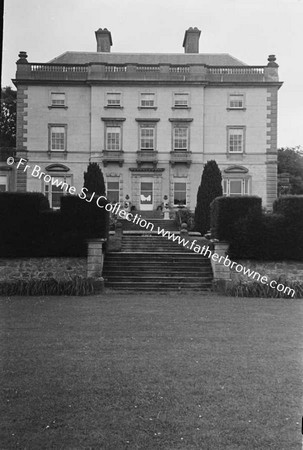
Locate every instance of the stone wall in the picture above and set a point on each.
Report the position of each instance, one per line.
(290, 270)
(42, 268)
(273, 270)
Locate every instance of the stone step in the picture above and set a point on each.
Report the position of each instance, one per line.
(153, 287)
(156, 256)
(188, 272)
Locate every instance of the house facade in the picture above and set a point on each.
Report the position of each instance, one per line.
(151, 121)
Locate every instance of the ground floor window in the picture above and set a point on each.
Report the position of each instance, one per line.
(3, 183)
(233, 187)
(113, 190)
(56, 188)
(179, 194)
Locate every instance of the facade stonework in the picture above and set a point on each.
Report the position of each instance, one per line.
(151, 121)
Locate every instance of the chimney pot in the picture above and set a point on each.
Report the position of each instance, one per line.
(104, 40)
(191, 40)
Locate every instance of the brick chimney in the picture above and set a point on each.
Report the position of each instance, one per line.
(104, 40)
(191, 40)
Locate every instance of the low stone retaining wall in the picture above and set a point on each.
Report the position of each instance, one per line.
(59, 268)
(290, 270)
(273, 270)
(42, 268)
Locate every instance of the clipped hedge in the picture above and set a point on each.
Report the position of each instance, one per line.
(22, 204)
(291, 206)
(226, 212)
(33, 230)
(88, 219)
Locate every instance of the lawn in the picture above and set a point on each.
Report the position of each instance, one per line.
(166, 371)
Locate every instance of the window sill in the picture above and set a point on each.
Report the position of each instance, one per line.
(113, 107)
(236, 109)
(180, 107)
(57, 107)
(148, 107)
(57, 153)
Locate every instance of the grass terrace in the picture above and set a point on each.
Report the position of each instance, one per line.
(125, 371)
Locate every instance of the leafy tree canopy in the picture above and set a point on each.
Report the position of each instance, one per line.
(290, 160)
(8, 117)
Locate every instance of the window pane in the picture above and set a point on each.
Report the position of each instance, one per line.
(54, 193)
(113, 191)
(181, 99)
(113, 99)
(113, 138)
(179, 193)
(147, 138)
(3, 183)
(236, 140)
(235, 187)
(180, 138)
(147, 100)
(58, 99)
(58, 138)
(236, 101)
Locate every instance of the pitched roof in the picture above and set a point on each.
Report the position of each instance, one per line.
(211, 59)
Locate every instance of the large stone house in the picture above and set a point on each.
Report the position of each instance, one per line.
(150, 120)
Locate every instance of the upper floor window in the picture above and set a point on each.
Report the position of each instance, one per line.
(147, 100)
(236, 139)
(147, 137)
(236, 101)
(113, 138)
(180, 138)
(58, 99)
(57, 138)
(181, 100)
(113, 99)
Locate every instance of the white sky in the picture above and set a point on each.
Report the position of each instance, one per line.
(250, 30)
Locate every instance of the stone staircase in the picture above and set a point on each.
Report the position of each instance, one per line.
(156, 217)
(153, 263)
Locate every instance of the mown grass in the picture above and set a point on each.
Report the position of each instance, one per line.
(179, 371)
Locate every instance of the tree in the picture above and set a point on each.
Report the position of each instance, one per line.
(8, 118)
(290, 161)
(209, 189)
(94, 180)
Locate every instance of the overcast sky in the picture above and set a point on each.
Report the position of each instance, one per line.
(250, 30)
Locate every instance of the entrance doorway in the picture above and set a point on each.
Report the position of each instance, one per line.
(146, 195)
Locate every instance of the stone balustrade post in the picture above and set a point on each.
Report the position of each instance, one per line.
(221, 271)
(95, 258)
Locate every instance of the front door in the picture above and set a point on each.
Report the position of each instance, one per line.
(146, 195)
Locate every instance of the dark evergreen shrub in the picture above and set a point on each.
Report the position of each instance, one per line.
(88, 219)
(226, 212)
(94, 180)
(209, 189)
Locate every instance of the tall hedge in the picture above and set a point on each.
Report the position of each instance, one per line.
(226, 211)
(28, 228)
(209, 189)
